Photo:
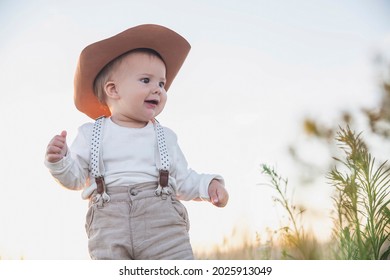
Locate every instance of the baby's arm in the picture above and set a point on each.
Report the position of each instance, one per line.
(190, 184)
(69, 168)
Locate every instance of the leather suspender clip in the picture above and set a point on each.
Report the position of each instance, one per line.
(100, 185)
(163, 178)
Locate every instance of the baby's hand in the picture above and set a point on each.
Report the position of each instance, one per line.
(57, 148)
(218, 194)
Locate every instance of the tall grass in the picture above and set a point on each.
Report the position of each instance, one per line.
(361, 205)
(294, 240)
(362, 199)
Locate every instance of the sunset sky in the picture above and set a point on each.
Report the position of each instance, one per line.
(255, 70)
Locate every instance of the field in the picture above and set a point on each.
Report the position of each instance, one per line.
(361, 222)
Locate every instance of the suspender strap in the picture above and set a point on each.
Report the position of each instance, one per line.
(164, 160)
(96, 166)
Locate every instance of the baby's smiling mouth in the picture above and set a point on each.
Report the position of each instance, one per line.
(152, 101)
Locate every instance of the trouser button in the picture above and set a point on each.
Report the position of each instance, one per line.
(133, 192)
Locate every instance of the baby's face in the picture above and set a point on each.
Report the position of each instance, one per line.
(139, 84)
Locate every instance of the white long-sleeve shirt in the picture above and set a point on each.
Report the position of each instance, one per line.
(129, 156)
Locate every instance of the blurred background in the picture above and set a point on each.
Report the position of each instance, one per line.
(266, 82)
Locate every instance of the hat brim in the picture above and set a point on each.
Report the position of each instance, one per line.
(172, 47)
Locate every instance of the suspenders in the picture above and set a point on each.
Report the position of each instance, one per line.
(163, 177)
(96, 165)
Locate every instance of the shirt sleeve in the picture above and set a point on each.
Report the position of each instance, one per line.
(189, 184)
(72, 171)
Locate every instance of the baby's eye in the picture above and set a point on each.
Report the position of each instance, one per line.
(162, 84)
(145, 80)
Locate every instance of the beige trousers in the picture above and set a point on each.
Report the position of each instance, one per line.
(138, 225)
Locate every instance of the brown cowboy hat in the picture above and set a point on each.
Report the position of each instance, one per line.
(172, 47)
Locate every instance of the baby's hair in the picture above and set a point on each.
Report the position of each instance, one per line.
(105, 74)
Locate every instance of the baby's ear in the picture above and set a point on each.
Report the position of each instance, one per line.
(111, 90)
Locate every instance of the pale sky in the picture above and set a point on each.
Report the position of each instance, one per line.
(255, 70)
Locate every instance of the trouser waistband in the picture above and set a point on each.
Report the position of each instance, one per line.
(133, 192)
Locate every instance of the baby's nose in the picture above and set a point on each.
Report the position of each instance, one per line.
(157, 90)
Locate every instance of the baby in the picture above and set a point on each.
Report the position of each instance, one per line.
(130, 167)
